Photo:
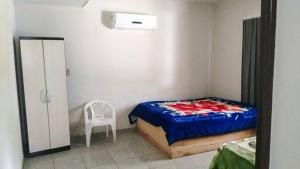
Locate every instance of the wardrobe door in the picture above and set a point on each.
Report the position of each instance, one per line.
(57, 92)
(35, 97)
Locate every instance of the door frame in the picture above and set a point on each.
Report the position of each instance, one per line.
(265, 82)
(265, 86)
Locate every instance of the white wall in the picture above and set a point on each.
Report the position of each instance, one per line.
(11, 155)
(127, 67)
(226, 64)
(286, 110)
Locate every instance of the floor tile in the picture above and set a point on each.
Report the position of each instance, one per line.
(129, 140)
(89, 150)
(123, 154)
(102, 139)
(133, 163)
(131, 151)
(36, 162)
(97, 159)
(143, 149)
(105, 166)
(75, 163)
(116, 146)
(202, 160)
(48, 165)
(156, 159)
(66, 155)
(167, 166)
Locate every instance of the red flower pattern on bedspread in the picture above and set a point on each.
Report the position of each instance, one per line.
(202, 107)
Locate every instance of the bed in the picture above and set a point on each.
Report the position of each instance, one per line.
(184, 127)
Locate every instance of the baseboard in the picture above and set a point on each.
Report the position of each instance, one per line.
(50, 151)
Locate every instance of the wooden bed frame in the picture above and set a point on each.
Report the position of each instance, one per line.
(157, 137)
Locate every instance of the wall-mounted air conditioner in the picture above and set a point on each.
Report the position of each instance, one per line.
(133, 21)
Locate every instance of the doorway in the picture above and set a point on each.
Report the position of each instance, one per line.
(265, 82)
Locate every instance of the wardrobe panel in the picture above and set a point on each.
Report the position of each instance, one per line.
(35, 96)
(57, 92)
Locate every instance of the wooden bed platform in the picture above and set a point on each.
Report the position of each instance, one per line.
(156, 136)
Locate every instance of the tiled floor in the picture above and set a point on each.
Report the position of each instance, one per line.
(130, 152)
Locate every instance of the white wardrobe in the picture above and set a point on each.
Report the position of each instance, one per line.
(45, 104)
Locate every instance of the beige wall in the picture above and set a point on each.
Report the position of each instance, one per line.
(286, 110)
(226, 58)
(11, 155)
(126, 67)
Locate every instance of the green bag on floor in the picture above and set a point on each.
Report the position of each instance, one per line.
(231, 156)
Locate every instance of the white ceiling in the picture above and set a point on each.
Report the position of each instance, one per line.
(77, 3)
(214, 1)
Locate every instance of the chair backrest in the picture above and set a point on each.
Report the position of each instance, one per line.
(98, 109)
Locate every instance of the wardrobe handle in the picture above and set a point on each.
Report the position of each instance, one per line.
(48, 96)
(42, 96)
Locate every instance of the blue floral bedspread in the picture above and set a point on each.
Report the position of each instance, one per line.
(187, 119)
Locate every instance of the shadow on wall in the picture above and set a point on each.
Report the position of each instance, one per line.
(77, 125)
(107, 18)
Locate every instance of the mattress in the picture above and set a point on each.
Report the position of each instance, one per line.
(186, 119)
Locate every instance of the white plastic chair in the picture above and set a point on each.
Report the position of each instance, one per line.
(99, 113)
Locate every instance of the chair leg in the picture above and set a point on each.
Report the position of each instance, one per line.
(113, 128)
(107, 131)
(88, 133)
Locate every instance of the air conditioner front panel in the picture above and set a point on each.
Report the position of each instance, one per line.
(134, 21)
